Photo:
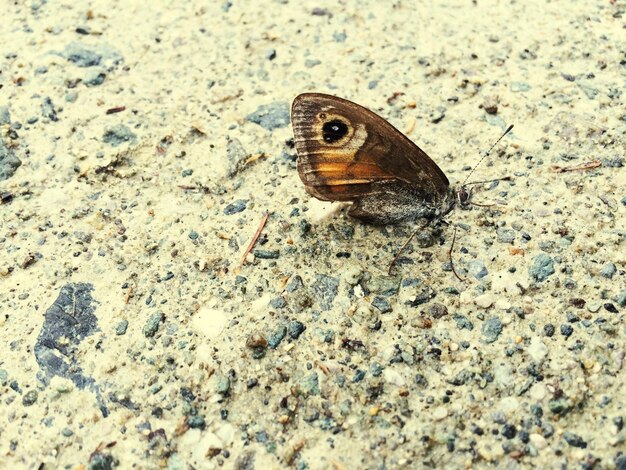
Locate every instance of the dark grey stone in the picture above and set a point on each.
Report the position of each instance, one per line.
(69, 320)
(117, 135)
(9, 163)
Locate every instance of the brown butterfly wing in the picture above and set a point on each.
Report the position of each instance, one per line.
(346, 152)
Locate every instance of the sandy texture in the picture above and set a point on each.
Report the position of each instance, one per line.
(141, 147)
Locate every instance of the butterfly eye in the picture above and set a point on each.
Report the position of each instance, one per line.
(334, 130)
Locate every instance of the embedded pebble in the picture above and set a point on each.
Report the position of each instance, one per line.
(9, 163)
(542, 267)
(118, 135)
(491, 329)
(271, 116)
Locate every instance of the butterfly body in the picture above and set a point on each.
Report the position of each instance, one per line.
(348, 153)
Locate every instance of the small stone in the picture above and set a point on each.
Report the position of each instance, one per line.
(437, 115)
(81, 55)
(538, 441)
(621, 298)
(266, 254)
(270, 54)
(295, 329)
(121, 328)
(271, 116)
(48, 110)
(381, 304)
(492, 328)
(275, 337)
(278, 302)
(485, 300)
(383, 285)
(9, 163)
(223, 385)
(462, 322)
(461, 378)
(117, 135)
(236, 207)
(94, 78)
(509, 431)
(294, 284)
(196, 422)
(490, 105)
(505, 235)
(30, 398)
(574, 440)
(567, 330)
(101, 461)
(478, 269)
(437, 310)
(325, 289)
(542, 267)
(608, 270)
(152, 324)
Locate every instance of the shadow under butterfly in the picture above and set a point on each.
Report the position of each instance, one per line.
(348, 153)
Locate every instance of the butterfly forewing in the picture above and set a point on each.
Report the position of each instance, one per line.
(348, 153)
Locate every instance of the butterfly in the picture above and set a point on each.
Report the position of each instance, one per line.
(348, 153)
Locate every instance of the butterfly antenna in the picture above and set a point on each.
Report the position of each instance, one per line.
(487, 154)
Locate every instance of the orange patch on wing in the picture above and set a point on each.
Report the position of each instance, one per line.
(345, 173)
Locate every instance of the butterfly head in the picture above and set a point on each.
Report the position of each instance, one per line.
(464, 197)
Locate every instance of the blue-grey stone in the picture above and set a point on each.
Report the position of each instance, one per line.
(505, 235)
(294, 284)
(90, 56)
(477, 269)
(381, 304)
(295, 329)
(276, 336)
(236, 207)
(5, 115)
(223, 385)
(325, 289)
(121, 328)
(462, 322)
(67, 322)
(491, 329)
(152, 324)
(542, 267)
(9, 163)
(608, 270)
(117, 135)
(271, 116)
(278, 302)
